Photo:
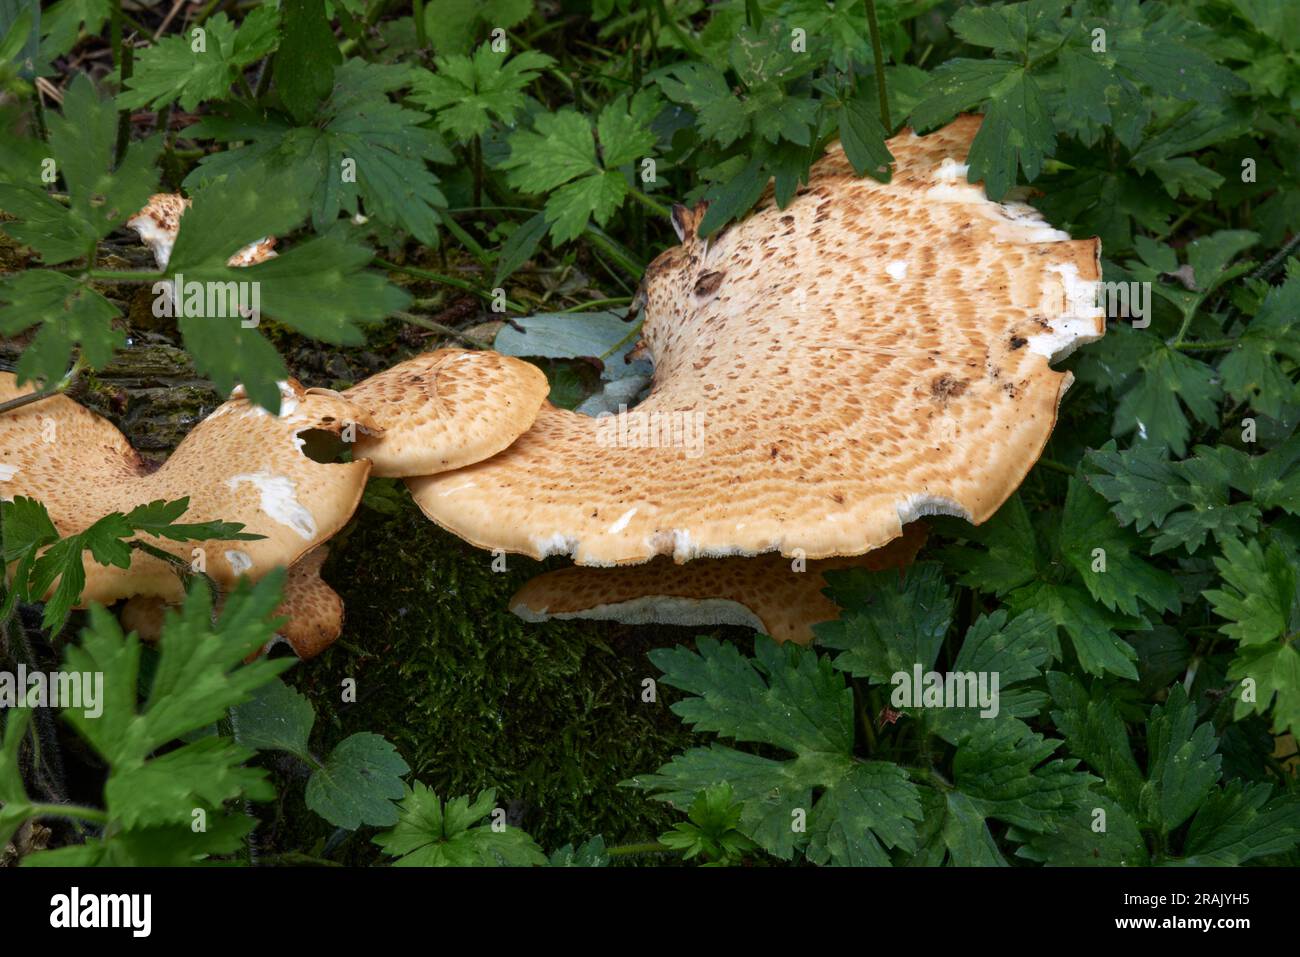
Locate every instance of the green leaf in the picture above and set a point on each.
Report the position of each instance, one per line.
(1259, 599)
(307, 56)
(468, 92)
(1117, 577)
(200, 672)
(711, 832)
(590, 854)
(358, 783)
(429, 835)
(863, 136)
(1185, 501)
(361, 149)
(1182, 763)
(559, 156)
(889, 623)
(1242, 822)
(788, 699)
(201, 63)
(276, 718)
(1252, 372)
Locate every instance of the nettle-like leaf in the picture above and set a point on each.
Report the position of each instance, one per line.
(1260, 601)
(1260, 368)
(892, 628)
(201, 63)
(559, 157)
(1145, 807)
(1051, 74)
(363, 150)
(431, 834)
(151, 798)
(44, 561)
(1188, 501)
(1013, 565)
(468, 92)
(791, 700)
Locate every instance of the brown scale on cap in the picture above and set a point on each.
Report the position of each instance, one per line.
(314, 610)
(447, 409)
(240, 464)
(812, 363)
(764, 592)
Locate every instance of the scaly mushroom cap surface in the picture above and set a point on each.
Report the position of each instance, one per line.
(240, 464)
(763, 592)
(870, 354)
(447, 409)
(314, 610)
(159, 223)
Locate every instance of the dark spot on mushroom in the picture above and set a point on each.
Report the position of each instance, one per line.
(1017, 342)
(945, 387)
(708, 284)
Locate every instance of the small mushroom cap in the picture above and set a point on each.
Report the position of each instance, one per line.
(764, 592)
(159, 223)
(873, 353)
(240, 464)
(447, 409)
(314, 610)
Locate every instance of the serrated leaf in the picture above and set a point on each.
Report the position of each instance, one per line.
(358, 783)
(428, 835)
(789, 699)
(306, 58)
(276, 718)
(188, 68)
(888, 622)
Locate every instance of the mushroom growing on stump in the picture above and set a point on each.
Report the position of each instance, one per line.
(312, 609)
(871, 354)
(240, 464)
(446, 409)
(763, 593)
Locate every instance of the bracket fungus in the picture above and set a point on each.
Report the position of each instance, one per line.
(763, 592)
(240, 464)
(873, 353)
(446, 409)
(313, 611)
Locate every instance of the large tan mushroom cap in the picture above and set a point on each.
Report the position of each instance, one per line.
(764, 593)
(314, 610)
(871, 354)
(446, 409)
(241, 464)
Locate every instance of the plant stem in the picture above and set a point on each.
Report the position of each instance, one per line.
(417, 14)
(656, 207)
(1209, 345)
(878, 54)
(55, 389)
(445, 280)
(69, 810)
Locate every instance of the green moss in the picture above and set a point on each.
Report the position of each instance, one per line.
(548, 714)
